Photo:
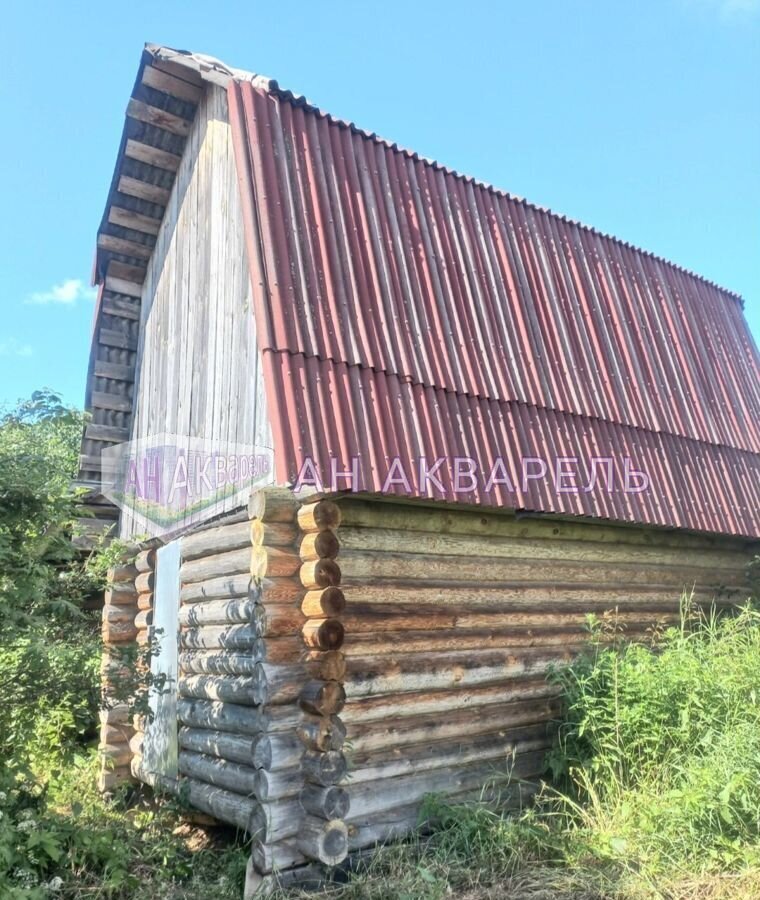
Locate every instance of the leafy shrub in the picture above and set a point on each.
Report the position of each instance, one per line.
(58, 837)
(661, 750)
(50, 693)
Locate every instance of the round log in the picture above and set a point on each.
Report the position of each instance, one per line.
(116, 614)
(220, 565)
(145, 561)
(212, 636)
(320, 573)
(319, 545)
(276, 857)
(329, 665)
(144, 619)
(325, 841)
(255, 752)
(220, 539)
(273, 534)
(274, 562)
(272, 504)
(324, 602)
(127, 572)
(325, 802)
(319, 516)
(218, 612)
(218, 662)
(221, 773)
(284, 784)
(238, 689)
(220, 587)
(280, 619)
(322, 698)
(323, 768)
(121, 593)
(145, 582)
(228, 717)
(322, 733)
(323, 634)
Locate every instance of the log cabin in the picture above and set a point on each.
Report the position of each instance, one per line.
(486, 422)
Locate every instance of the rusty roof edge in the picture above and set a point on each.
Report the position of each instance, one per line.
(212, 69)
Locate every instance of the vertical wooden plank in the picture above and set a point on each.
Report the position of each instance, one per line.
(199, 365)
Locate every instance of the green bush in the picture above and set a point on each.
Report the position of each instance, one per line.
(661, 750)
(58, 837)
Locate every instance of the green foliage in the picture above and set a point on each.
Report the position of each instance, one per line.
(662, 750)
(50, 694)
(58, 837)
(64, 840)
(39, 447)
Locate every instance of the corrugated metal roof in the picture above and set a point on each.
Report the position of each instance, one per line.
(416, 310)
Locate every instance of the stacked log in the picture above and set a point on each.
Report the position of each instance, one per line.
(454, 619)
(241, 668)
(145, 566)
(119, 633)
(323, 835)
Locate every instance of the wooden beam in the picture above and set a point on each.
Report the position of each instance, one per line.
(117, 286)
(153, 156)
(143, 190)
(171, 84)
(122, 245)
(103, 400)
(117, 215)
(113, 338)
(89, 463)
(126, 272)
(158, 118)
(185, 73)
(112, 306)
(109, 433)
(103, 369)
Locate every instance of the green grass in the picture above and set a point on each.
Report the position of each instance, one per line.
(656, 790)
(654, 793)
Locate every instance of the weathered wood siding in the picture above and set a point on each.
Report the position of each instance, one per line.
(198, 366)
(452, 620)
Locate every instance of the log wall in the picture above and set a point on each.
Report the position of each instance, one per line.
(340, 660)
(119, 634)
(453, 618)
(259, 690)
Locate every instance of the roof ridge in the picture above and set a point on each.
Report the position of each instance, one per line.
(218, 72)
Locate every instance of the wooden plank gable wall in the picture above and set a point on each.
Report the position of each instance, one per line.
(199, 372)
(174, 349)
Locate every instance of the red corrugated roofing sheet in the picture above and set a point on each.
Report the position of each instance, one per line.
(405, 310)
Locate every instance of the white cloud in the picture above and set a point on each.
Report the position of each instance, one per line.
(66, 293)
(12, 347)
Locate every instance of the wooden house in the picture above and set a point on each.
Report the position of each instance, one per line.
(486, 422)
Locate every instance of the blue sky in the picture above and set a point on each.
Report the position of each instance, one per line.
(642, 119)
